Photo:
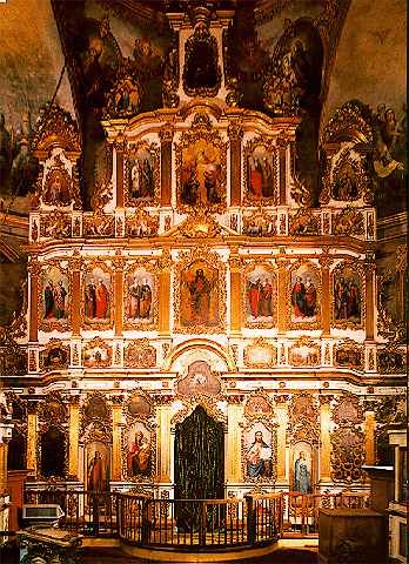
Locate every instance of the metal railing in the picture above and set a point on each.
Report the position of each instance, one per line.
(139, 519)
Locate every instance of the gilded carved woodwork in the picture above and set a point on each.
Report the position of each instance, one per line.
(140, 354)
(141, 224)
(348, 222)
(98, 225)
(304, 352)
(260, 353)
(96, 353)
(55, 356)
(95, 409)
(258, 403)
(210, 404)
(260, 224)
(304, 222)
(349, 354)
(56, 225)
(392, 359)
(56, 127)
(303, 419)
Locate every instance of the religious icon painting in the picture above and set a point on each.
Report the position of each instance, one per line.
(302, 468)
(139, 452)
(305, 296)
(261, 168)
(347, 302)
(55, 299)
(199, 293)
(260, 296)
(142, 175)
(97, 467)
(258, 450)
(58, 186)
(97, 297)
(140, 300)
(201, 173)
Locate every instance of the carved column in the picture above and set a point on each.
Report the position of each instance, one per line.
(370, 299)
(282, 418)
(75, 266)
(282, 295)
(233, 451)
(119, 151)
(74, 430)
(166, 137)
(165, 264)
(325, 450)
(326, 294)
(235, 133)
(116, 438)
(235, 265)
(34, 272)
(32, 437)
(163, 438)
(369, 433)
(119, 294)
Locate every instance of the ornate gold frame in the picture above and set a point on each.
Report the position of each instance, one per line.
(358, 270)
(153, 270)
(260, 342)
(311, 345)
(349, 221)
(58, 325)
(350, 345)
(202, 34)
(132, 151)
(249, 267)
(305, 324)
(88, 267)
(213, 260)
(148, 354)
(201, 131)
(270, 147)
(53, 344)
(132, 222)
(97, 342)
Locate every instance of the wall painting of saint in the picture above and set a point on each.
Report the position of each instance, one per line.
(258, 452)
(261, 174)
(139, 452)
(141, 176)
(302, 468)
(304, 295)
(55, 298)
(201, 174)
(199, 296)
(261, 294)
(97, 296)
(140, 297)
(347, 297)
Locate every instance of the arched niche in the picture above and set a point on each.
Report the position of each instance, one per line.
(53, 453)
(185, 354)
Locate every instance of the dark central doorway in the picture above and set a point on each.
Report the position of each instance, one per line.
(199, 465)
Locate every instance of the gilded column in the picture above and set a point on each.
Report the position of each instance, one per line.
(166, 137)
(370, 299)
(75, 265)
(118, 293)
(235, 265)
(119, 151)
(165, 264)
(282, 159)
(32, 436)
(163, 438)
(34, 272)
(235, 133)
(282, 301)
(74, 430)
(325, 450)
(282, 418)
(233, 451)
(369, 433)
(326, 294)
(116, 438)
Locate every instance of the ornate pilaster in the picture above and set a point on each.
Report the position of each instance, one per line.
(369, 434)
(119, 152)
(163, 420)
(370, 299)
(325, 450)
(118, 293)
(282, 295)
(116, 437)
(235, 410)
(282, 419)
(34, 271)
(32, 432)
(326, 293)
(74, 429)
(166, 137)
(235, 293)
(75, 266)
(235, 133)
(283, 145)
(165, 265)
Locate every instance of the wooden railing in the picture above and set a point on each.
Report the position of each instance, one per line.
(138, 519)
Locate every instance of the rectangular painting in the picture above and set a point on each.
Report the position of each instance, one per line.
(54, 299)
(199, 296)
(260, 296)
(140, 298)
(97, 296)
(304, 296)
(347, 297)
(142, 175)
(139, 463)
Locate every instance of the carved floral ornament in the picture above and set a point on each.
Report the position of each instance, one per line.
(304, 222)
(305, 353)
(53, 412)
(56, 225)
(142, 174)
(56, 128)
(95, 409)
(347, 411)
(200, 292)
(140, 354)
(349, 222)
(98, 224)
(97, 353)
(303, 416)
(258, 405)
(141, 224)
(349, 354)
(55, 356)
